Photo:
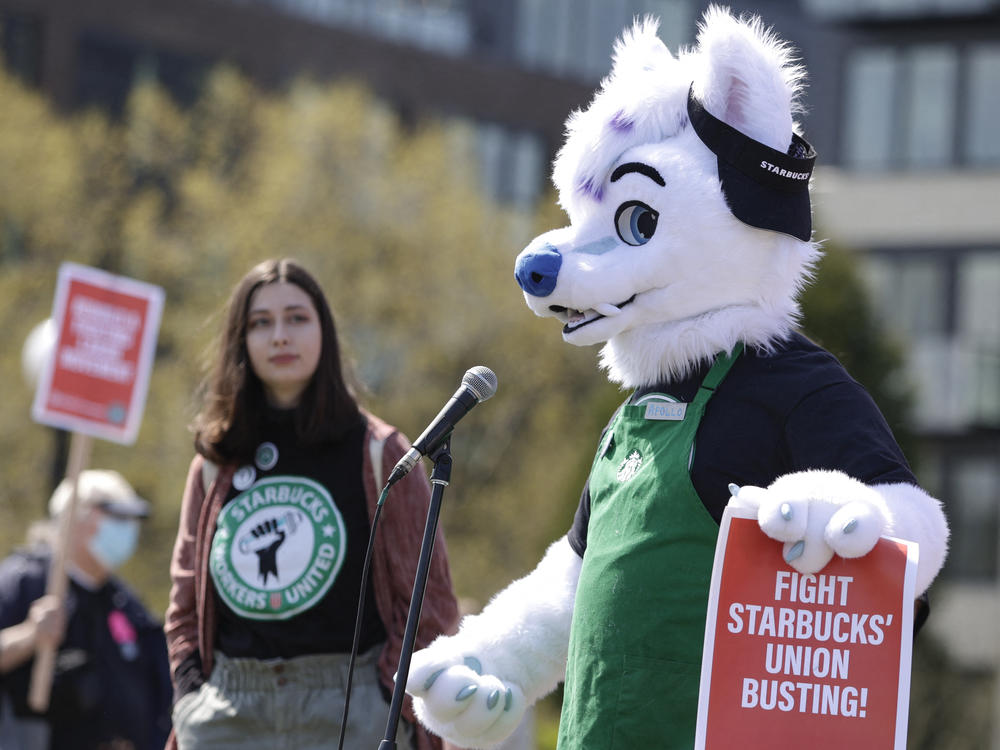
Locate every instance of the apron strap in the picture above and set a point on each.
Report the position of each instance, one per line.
(723, 362)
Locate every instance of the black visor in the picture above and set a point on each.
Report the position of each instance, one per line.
(764, 188)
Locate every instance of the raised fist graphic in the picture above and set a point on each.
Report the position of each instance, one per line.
(265, 538)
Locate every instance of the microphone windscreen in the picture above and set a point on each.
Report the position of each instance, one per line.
(482, 381)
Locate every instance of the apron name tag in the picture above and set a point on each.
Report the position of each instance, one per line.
(666, 411)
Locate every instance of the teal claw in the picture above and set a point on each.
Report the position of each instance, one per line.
(474, 664)
(795, 551)
(432, 679)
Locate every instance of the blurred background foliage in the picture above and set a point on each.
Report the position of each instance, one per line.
(417, 265)
(418, 268)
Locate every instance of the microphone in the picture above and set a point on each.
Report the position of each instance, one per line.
(478, 384)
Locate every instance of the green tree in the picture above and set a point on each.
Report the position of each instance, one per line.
(417, 264)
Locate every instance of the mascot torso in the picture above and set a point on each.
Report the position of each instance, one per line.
(649, 517)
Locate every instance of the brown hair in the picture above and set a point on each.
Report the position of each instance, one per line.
(233, 401)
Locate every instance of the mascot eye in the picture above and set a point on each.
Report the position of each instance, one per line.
(635, 223)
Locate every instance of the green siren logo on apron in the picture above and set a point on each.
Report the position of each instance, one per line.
(630, 466)
(278, 548)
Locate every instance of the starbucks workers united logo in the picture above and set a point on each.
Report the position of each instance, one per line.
(278, 548)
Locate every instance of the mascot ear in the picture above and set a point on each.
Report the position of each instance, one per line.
(747, 77)
(639, 50)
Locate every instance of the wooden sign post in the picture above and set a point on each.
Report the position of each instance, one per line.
(93, 384)
(45, 658)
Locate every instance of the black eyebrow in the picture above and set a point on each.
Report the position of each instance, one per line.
(643, 169)
(263, 310)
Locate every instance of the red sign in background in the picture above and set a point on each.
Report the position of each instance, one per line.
(822, 660)
(97, 378)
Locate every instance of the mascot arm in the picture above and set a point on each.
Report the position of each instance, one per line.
(819, 513)
(474, 687)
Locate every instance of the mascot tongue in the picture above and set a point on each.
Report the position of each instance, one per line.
(579, 318)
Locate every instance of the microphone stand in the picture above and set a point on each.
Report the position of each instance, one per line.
(440, 477)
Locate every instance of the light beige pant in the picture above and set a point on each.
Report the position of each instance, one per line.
(285, 704)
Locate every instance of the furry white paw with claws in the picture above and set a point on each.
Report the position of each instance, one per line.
(474, 687)
(817, 514)
(455, 699)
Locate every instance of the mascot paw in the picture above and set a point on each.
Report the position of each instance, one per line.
(458, 702)
(817, 514)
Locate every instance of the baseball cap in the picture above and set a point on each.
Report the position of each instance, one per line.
(102, 488)
(764, 188)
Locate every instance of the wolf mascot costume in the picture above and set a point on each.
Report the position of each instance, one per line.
(689, 238)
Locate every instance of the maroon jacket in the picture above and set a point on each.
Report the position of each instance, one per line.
(190, 619)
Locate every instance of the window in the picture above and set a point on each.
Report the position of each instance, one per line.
(108, 65)
(859, 9)
(973, 502)
(511, 165)
(576, 37)
(981, 144)
(929, 94)
(979, 295)
(677, 22)
(902, 107)
(604, 23)
(438, 25)
(21, 41)
(543, 34)
(868, 130)
(944, 307)
(978, 329)
(910, 292)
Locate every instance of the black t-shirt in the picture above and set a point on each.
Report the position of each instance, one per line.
(298, 529)
(111, 681)
(792, 410)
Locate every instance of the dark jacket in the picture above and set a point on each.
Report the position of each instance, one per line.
(111, 681)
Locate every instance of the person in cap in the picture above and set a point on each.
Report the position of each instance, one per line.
(111, 685)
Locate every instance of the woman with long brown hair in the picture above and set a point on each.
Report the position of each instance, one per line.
(275, 521)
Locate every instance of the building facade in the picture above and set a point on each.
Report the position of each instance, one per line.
(903, 105)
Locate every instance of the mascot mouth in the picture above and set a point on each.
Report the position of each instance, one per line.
(577, 319)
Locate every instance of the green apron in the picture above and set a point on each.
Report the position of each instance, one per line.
(639, 618)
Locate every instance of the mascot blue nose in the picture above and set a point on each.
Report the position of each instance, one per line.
(536, 271)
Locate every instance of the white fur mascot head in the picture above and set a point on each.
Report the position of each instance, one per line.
(655, 261)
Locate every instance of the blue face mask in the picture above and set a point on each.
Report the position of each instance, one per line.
(114, 541)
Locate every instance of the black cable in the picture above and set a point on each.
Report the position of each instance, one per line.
(361, 612)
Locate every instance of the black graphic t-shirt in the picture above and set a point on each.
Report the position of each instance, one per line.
(288, 551)
(791, 410)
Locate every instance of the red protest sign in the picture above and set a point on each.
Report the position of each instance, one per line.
(97, 378)
(822, 659)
